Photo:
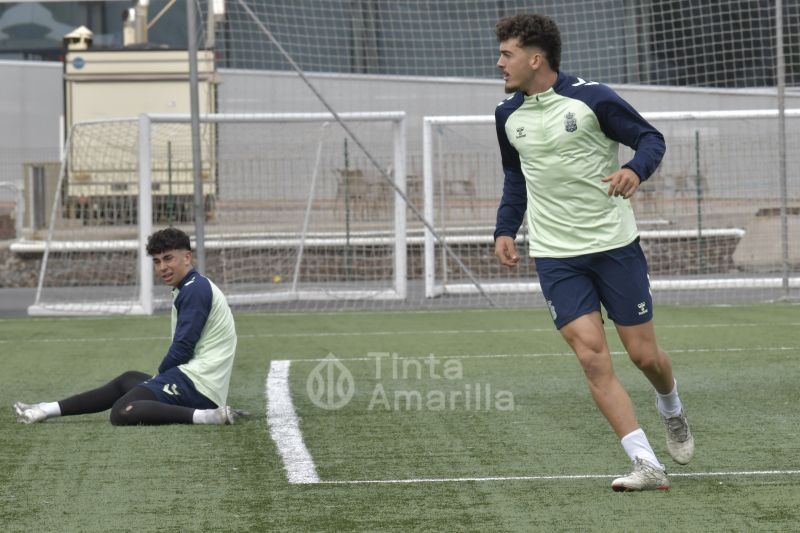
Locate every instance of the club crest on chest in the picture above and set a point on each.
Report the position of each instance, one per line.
(570, 122)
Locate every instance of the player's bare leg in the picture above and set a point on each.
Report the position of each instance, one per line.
(655, 364)
(587, 338)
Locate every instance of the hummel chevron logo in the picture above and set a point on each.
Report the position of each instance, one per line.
(506, 100)
(581, 81)
(172, 390)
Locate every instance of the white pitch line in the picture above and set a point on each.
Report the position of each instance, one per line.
(85, 340)
(546, 354)
(473, 331)
(548, 478)
(403, 333)
(284, 426)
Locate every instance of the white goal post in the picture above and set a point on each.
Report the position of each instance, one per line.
(683, 219)
(249, 224)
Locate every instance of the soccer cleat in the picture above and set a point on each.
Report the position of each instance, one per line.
(227, 415)
(644, 476)
(29, 413)
(230, 415)
(19, 407)
(240, 413)
(680, 441)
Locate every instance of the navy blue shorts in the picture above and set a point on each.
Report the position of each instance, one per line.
(174, 388)
(617, 279)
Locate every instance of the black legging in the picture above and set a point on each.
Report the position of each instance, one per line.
(130, 404)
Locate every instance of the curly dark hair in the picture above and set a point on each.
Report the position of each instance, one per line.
(167, 239)
(533, 30)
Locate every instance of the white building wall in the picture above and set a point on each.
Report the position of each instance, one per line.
(31, 103)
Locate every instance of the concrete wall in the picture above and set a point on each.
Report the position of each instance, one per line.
(31, 103)
(738, 158)
(247, 91)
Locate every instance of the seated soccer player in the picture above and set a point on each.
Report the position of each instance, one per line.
(191, 386)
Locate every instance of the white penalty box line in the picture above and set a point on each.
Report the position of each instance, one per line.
(564, 477)
(284, 428)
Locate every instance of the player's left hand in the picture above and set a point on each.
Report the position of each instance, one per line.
(623, 182)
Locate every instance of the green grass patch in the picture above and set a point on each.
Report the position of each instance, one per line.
(737, 369)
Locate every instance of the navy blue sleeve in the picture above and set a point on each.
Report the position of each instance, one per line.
(193, 305)
(623, 124)
(514, 201)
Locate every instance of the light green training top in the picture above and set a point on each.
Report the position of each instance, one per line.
(559, 145)
(203, 337)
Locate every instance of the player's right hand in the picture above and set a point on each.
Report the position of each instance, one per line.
(506, 251)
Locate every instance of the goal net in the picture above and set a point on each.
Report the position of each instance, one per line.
(291, 213)
(709, 217)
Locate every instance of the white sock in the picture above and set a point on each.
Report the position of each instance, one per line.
(208, 416)
(199, 416)
(51, 408)
(669, 405)
(636, 445)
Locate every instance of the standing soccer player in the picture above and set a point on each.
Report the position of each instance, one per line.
(191, 386)
(559, 137)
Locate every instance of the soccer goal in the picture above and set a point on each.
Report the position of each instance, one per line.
(292, 212)
(710, 218)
